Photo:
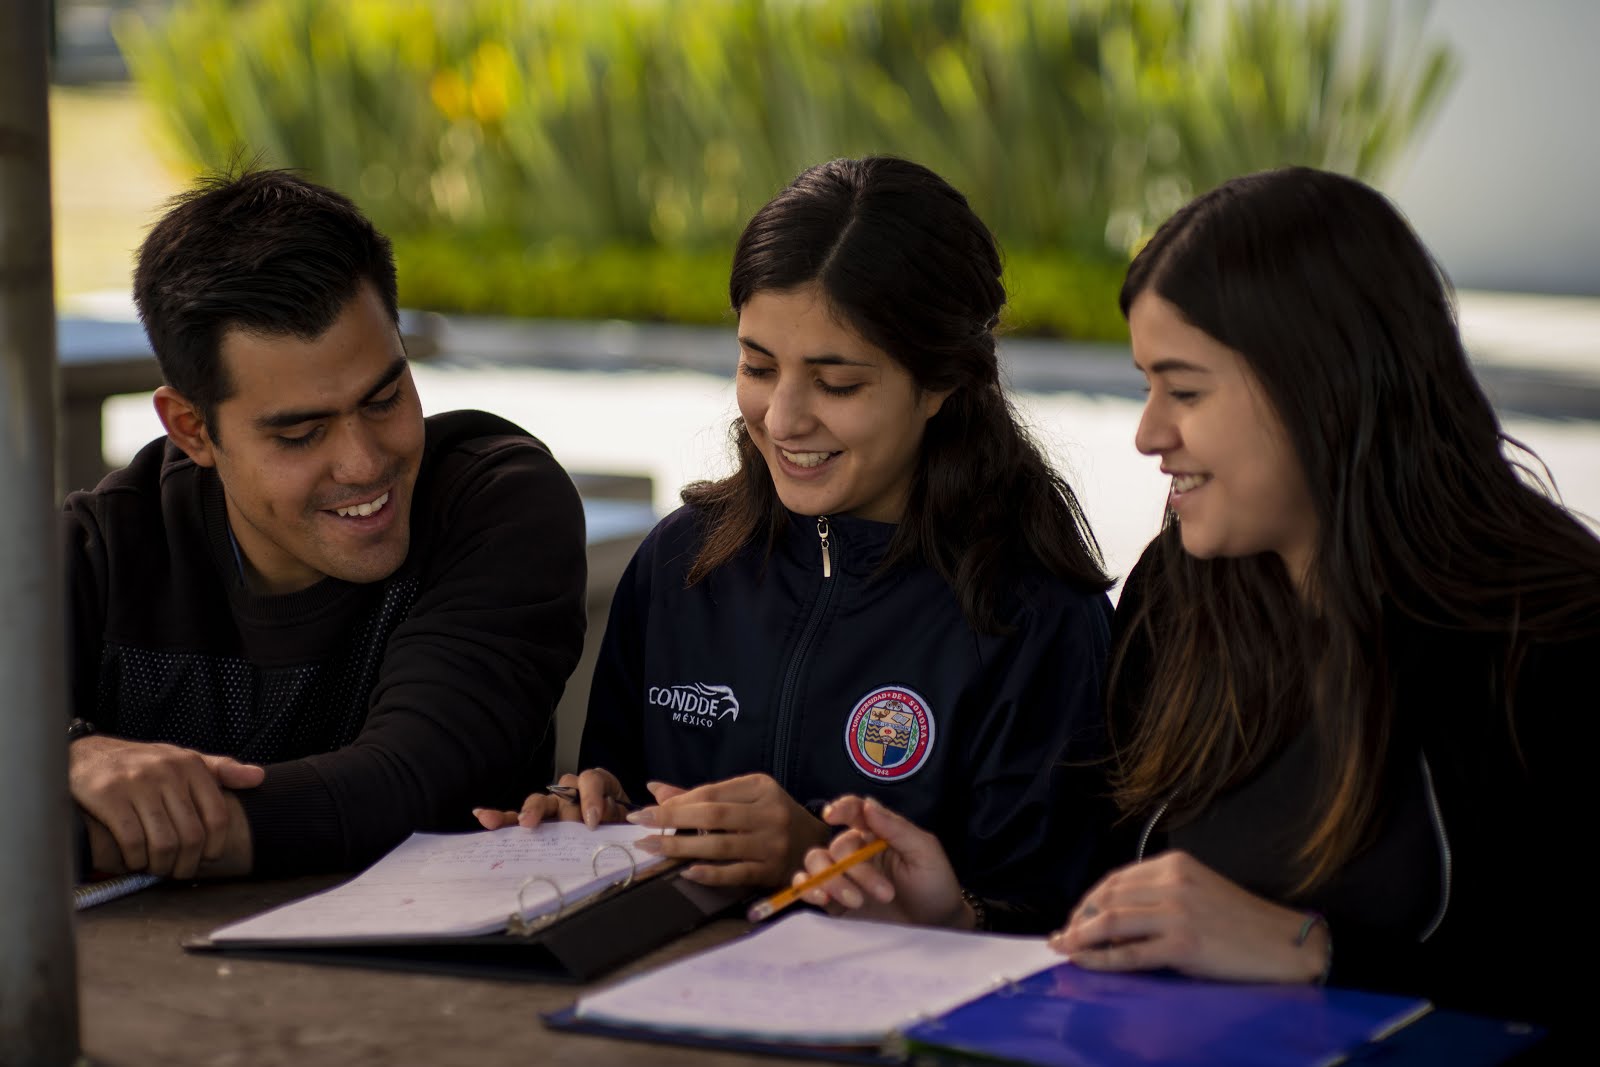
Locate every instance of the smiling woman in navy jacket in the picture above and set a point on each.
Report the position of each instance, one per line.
(894, 593)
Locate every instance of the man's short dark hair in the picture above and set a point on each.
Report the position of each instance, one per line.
(263, 250)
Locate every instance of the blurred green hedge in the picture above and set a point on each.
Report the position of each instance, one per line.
(484, 273)
(598, 157)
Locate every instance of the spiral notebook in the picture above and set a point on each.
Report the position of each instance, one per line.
(90, 894)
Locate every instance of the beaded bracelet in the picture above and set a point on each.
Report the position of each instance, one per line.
(1313, 920)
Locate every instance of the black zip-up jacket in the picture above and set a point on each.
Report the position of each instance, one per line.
(1499, 807)
(836, 679)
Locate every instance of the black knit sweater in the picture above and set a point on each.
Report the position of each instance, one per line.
(379, 708)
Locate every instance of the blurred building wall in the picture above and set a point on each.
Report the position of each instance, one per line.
(1505, 185)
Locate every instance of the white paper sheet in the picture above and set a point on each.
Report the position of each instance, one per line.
(809, 979)
(436, 885)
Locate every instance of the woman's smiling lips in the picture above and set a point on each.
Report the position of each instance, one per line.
(1184, 484)
(806, 464)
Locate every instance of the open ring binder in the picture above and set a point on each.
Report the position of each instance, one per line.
(602, 912)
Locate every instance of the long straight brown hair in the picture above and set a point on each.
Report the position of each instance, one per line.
(902, 258)
(1349, 326)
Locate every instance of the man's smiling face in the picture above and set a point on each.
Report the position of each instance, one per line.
(317, 448)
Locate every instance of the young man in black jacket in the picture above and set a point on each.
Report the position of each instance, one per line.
(308, 621)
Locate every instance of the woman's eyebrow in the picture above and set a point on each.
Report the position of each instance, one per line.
(826, 359)
(830, 359)
(1165, 366)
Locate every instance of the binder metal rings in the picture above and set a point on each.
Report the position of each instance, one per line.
(518, 922)
(633, 862)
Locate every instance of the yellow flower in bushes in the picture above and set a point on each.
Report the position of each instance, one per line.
(492, 72)
(449, 92)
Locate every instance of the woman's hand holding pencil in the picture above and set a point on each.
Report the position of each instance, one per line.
(766, 909)
(909, 881)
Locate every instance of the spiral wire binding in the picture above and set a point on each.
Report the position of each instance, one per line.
(93, 893)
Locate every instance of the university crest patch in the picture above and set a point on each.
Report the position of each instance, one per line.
(889, 733)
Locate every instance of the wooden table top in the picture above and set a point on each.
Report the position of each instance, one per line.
(144, 1000)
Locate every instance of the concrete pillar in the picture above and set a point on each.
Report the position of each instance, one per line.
(38, 973)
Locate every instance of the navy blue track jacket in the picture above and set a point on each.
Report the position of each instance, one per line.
(847, 682)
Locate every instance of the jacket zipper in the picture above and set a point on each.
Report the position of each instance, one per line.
(791, 674)
(1445, 863)
(1144, 837)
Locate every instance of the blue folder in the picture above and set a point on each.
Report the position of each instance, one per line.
(1070, 1017)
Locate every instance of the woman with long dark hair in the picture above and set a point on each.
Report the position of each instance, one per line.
(893, 592)
(1348, 675)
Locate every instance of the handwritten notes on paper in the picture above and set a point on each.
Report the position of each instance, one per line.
(437, 885)
(814, 980)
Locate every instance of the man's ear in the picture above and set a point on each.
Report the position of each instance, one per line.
(185, 425)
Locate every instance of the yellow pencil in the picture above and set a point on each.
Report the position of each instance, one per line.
(780, 900)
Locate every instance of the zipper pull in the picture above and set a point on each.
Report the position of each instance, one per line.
(822, 535)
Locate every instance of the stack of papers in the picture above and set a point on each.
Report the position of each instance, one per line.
(456, 885)
(812, 980)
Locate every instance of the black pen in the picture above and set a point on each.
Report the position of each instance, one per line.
(569, 793)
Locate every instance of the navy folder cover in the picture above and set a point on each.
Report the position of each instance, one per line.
(1070, 1017)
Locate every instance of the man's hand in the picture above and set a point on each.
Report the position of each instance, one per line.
(164, 806)
(750, 825)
